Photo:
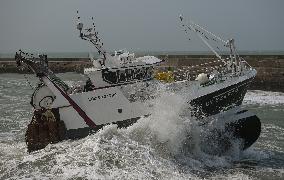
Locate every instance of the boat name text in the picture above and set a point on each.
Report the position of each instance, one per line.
(111, 95)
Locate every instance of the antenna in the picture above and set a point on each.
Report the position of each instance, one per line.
(90, 34)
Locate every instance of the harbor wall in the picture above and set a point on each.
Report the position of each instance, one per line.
(270, 68)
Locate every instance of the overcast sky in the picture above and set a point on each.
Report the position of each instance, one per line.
(139, 25)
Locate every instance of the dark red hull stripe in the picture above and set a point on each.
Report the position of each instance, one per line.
(82, 113)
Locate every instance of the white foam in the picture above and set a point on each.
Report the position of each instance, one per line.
(233, 176)
(167, 125)
(178, 136)
(264, 97)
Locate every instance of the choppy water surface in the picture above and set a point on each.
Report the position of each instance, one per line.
(154, 148)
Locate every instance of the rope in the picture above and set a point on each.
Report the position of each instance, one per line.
(196, 27)
(28, 82)
(202, 32)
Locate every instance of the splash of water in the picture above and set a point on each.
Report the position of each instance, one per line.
(174, 135)
(166, 145)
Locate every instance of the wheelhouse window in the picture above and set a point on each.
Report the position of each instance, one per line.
(129, 74)
(110, 76)
(137, 74)
(149, 72)
(122, 76)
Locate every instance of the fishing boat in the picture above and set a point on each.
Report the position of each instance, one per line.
(120, 87)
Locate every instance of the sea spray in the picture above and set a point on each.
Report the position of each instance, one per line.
(133, 152)
(169, 127)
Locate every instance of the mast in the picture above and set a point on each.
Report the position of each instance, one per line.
(90, 34)
(204, 34)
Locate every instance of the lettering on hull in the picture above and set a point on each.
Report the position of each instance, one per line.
(111, 95)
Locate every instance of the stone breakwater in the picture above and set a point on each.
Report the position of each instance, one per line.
(57, 65)
(270, 68)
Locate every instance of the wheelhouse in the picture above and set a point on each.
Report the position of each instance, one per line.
(127, 74)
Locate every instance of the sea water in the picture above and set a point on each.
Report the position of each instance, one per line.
(162, 146)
